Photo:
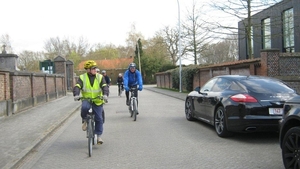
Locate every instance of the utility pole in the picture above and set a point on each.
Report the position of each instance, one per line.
(179, 47)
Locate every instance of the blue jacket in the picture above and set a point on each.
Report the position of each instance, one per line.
(131, 79)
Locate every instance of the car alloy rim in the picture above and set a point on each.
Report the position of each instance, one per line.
(188, 108)
(291, 152)
(219, 121)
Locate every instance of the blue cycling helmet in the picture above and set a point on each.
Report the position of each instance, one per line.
(132, 65)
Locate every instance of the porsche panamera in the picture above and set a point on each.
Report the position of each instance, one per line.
(237, 103)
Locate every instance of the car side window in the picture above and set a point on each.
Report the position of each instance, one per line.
(208, 85)
(221, 84)
(235, 86)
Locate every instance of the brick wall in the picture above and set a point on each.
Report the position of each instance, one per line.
(289, 65)
(204, 76)
(241, 71)
(164, 81)
(20, 86)
(50, 84)
(38, 84)
(284, 66)
(22, 90)
(60, 86)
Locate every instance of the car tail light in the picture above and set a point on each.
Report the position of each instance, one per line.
(243, 98)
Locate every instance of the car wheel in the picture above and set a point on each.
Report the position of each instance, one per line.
(291, 148)
(189, 109)
(220, 123)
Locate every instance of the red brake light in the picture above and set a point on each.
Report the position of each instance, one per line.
(243, 98)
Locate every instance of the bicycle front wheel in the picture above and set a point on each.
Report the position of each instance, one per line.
(135, 110)
(131, 112)
(130, 108)
(93, 127)
(90, 136)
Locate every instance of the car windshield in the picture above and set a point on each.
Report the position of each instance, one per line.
(266, 86)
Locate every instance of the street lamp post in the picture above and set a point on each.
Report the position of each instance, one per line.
(179, 46)
(139, 57)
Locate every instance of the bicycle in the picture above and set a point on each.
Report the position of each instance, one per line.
(90, 120)
(133, 106)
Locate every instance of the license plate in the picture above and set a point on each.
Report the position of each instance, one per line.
(275, 111)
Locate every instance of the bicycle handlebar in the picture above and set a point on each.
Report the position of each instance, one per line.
(98, 97)
(90, 99)
(133, 88)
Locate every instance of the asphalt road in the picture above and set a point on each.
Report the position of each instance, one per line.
(160, 138)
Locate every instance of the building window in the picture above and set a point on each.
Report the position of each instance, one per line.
(288, 31)
(266, 33)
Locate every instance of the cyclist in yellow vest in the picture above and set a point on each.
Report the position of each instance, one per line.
(92, 84)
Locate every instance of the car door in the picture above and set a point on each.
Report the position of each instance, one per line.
(201, 100)
(215, 95)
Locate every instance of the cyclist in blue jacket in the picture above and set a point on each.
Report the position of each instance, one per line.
(132, 78)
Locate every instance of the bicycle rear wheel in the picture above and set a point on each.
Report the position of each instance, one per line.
(134, 109)
(120, 91)
(90, 137)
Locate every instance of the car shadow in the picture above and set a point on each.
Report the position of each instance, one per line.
(251, 137)
(257, 137)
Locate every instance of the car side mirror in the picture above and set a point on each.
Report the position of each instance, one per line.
(197, 89)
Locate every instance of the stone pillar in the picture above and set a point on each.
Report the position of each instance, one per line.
(270, 62)
(8, 61)
(60, 68)
(70, 74)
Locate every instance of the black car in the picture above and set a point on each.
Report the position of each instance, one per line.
(235, 103)
(290, 133)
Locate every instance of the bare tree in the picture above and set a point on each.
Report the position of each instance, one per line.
(29, 60)
(197, 33)
(242, 10)
(5, 40)
(223, 51)
(56, 47)
(101, 52)
(171, 38)
(80, 48)
(132, 40)
(124, 51)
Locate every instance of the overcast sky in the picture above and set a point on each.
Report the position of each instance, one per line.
(30, 23)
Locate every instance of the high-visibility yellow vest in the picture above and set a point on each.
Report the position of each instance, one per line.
(92, 92)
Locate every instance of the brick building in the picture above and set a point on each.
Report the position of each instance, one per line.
(112, 66)
(276, 27)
